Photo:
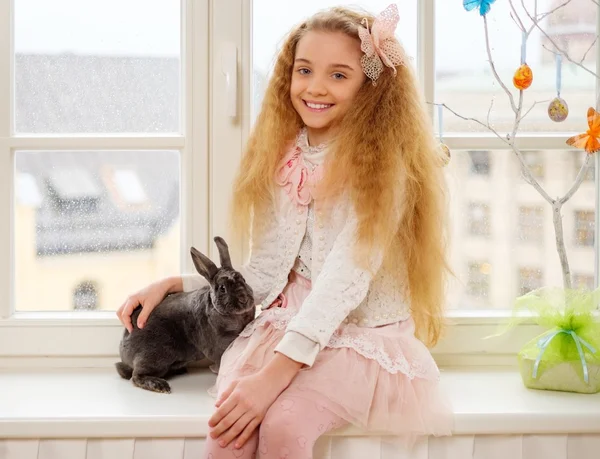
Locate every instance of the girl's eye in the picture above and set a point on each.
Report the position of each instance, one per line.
(303, 71)
(339, 76)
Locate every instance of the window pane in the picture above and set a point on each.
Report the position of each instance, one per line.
(464, 80)
(97, 67)
(93, 227)
(268, 34)
(503, 239)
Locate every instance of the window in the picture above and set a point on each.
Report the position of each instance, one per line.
(464, 81)
(98, 151)
(143, 154)
(573, 28)
(529, 279)
(531, 225)
(583, 281)
(578, 158)
(479, 279)
(535, 162)
(584, 228)
(480, 162)
(89, 219)
(71, 190)
(111, 214)
(73, 77)
(127, 188)
(519, 224)
(479, 219)
(85, 297)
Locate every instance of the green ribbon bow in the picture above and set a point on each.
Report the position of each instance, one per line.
(571, 317)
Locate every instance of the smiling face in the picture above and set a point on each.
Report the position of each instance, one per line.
(326, 77)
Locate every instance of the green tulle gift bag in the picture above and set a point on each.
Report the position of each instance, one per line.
(567, 356)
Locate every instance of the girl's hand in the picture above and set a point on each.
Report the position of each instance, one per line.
(242, 407)
(149, 297)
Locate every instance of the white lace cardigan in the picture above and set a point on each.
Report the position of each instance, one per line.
(341, 290)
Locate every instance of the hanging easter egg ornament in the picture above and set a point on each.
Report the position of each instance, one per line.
(444, 150)
(558, 110)
(524, 75)
(483, 5)
(445, 154)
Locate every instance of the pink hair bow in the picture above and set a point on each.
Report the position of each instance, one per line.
(379, 45)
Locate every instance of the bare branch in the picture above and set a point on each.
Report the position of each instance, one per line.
(560, 244)
(545, 15)
(518, 114)
(529, 176)
(578, 180)
(515, 21)
(490, 111)
(493, 66)
(558, 48)
(487, 126)
(516, 17)
(588, 50)
(531, 108)
(550, 50)
(527, 173)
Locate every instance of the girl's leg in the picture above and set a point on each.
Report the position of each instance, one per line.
(212, 450)
(292, 426)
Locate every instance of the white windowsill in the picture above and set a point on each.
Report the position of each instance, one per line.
(35, 335)
(97, 403)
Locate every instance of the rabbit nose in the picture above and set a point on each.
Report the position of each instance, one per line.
(243, 295)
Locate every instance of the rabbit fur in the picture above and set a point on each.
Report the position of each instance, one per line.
(188, 326)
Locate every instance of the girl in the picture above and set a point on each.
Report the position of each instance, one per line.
(342, 192)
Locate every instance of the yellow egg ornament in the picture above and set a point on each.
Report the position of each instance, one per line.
(558, 110)
(523, 77)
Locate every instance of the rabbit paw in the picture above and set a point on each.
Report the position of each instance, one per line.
(124, 371)
(152, 383)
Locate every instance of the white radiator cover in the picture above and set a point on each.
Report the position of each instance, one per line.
(572, 446)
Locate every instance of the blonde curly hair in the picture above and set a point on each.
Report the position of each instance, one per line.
(385, 156)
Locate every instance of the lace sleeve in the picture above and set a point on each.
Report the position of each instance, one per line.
(338, 289)
(263, 263)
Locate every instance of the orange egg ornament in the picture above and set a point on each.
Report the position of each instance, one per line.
(523, 77)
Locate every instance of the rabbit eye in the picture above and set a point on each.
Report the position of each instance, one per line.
(222, 288)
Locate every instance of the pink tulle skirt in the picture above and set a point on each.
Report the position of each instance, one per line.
(380, 379)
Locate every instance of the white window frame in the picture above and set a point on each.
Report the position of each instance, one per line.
(25, 336)
(211, 146)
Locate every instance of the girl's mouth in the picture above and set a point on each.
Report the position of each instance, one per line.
(317, 108)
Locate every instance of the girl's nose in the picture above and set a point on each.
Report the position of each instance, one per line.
(316, 87)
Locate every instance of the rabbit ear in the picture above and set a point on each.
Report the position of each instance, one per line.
(223, 253)
(203, 264)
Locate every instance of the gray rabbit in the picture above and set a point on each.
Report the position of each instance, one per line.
(186, 327)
